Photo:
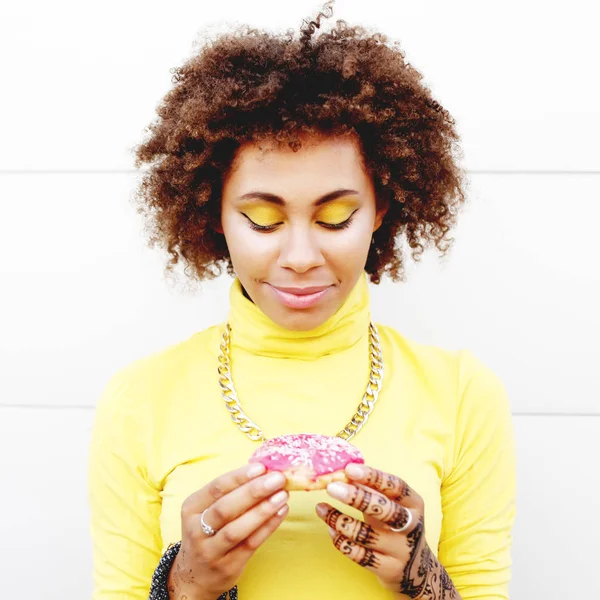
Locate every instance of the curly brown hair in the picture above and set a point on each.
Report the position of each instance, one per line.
(250, 85)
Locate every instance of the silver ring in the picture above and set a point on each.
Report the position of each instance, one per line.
(407, 524)
(207, 529)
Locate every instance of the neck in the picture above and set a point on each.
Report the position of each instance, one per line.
(253, 331)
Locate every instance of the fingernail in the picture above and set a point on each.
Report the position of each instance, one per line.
(255, 469)
(274, 480)
(355, 471)
(282, 510)
(332, 532)
(279, 497)
(321, 510)
(338, 490)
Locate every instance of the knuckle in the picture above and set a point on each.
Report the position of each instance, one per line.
(230, 536)
(228, 571)
(215, 489)
(195, 536)
(257, 490)
(252, 543)
(266, 508)
(240, 478)
(186, 509)
(219, 513)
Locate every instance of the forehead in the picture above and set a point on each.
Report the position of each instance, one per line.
(321, 164)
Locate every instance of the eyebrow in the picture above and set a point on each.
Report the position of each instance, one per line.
(281, 202)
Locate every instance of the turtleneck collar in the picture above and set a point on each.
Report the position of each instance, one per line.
(253, 331)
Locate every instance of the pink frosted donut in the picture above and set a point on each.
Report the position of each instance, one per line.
(309, 461)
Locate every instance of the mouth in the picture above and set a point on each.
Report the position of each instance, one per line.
(306, 297)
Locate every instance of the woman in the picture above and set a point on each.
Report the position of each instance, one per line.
(297, 164)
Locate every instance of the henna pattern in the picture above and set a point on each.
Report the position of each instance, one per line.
(353, 529)
(375, 479)
(398, 517)
(380, 507)
(448, 591)
(366, 535)
(361, 499)
(369, 559)
(362, 556)
(332, 518)
(403, 491)
(412, 583)
(386, 482)
(343, 544)
(425, 578)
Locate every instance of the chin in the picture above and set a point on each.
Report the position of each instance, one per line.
(301, 320)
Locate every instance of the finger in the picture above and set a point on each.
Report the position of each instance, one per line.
(354, 529)
(240, 500)
(390, 485)
(365, 557)
(256, 539)
(372, 503)
(238, 530)
(195, 503)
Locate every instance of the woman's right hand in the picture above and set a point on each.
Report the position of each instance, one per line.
(244, 507)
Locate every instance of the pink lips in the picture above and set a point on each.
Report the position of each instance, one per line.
(300, 297)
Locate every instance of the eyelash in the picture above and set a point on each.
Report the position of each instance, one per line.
(343, 225)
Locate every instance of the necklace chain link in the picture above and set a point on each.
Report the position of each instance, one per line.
(255, 433)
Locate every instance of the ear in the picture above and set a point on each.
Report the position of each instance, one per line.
(215, 223)
(381, 212)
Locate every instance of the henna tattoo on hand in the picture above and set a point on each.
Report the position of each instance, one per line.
(352, 528)
(380, 507)
(413, 579)
(388, 483)
(424, 577)
(399, 516)
(369, 559)
(360, 555)
(361, 499)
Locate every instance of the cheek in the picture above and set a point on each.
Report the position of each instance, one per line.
(246, 248)
(354, 241)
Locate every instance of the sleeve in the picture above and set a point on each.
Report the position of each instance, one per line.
(124, 505)
(479, 491)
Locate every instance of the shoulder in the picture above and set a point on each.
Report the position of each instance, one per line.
(467, 378)
(428, 360)
(138, 384)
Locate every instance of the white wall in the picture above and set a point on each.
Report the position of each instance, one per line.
(83, 296)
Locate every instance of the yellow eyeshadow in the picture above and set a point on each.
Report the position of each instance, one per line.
(336, 212)
(263, 215)
(332, 213)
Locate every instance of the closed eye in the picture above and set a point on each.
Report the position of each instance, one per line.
(343, 225)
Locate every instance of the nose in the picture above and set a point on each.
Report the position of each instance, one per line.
(300, 250)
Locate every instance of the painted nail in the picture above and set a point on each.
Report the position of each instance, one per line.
(338, 490)
(321, 510)
(332, 532)
(274, 480)
(355, 471)
(279, 497)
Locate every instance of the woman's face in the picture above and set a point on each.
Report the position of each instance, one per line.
(299, 220)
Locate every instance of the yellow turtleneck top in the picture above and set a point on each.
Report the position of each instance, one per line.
(442, 423)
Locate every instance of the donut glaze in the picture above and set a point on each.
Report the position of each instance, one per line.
(312, 457)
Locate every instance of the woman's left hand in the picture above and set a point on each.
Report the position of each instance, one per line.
(401, 559)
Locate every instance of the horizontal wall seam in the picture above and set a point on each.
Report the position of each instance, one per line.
(86, 407)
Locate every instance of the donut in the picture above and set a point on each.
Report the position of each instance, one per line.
(308, 461)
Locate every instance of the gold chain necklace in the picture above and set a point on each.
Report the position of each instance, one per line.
(254, 432)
